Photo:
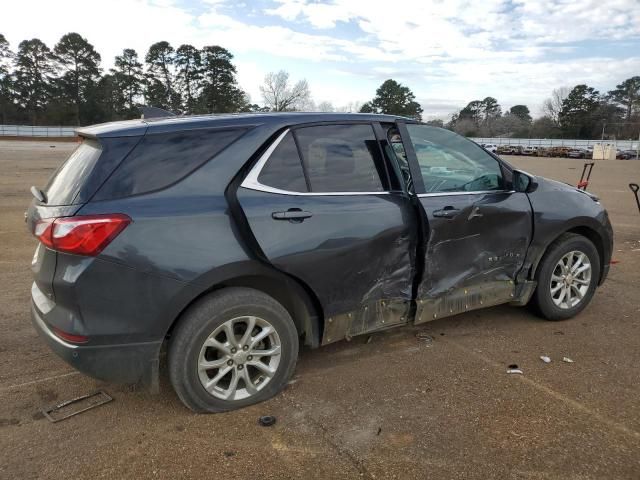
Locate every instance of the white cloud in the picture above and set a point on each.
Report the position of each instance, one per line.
(448, 52)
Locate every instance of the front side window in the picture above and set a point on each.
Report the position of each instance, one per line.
(341, 158)
(451, 163)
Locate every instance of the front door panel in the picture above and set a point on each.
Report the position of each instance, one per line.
(477, 230)
(476, 245)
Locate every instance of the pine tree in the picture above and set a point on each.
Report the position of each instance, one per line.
(627, 95)
(220, 93)
(160, 78)
(188, 76)
(577, 116)
(81, 71)
(129, 78)
(394, 98)
(6, 83)
(33, 72)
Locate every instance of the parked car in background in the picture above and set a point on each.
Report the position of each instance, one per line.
(627, 155)
(232, 240)
(543, 152)
(505, 150)
(577, 153)
(490, 147)
(560, 151)
(529, 150)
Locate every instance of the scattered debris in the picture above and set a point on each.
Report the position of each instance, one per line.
(379, 430)
(229, 453)
(425, 337)
(513, 368)
(545, 359)
(614, 262)
(267, 420)
(65, 409)
(369, 338)
(559, 332)
(567, 360)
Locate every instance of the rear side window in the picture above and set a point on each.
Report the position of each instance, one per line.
(283, 170)
(341, 158)
(160, 160)
(64, 185)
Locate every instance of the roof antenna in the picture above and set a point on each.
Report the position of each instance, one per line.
(154, 112)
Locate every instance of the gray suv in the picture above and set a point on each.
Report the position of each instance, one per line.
(233, 240)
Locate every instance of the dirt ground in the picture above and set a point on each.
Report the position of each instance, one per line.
(396, 407)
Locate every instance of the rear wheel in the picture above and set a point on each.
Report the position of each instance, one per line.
(567, 277)
(233, 348)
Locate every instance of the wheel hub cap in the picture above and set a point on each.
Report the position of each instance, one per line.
(239, 358)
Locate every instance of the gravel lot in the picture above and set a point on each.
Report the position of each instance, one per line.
(396, 407)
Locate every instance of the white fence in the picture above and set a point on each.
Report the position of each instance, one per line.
(556, 142)
(30, 131)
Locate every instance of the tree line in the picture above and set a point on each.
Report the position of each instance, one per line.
(580, 112)
(65, 85)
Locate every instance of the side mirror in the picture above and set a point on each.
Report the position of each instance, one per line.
(524, 182)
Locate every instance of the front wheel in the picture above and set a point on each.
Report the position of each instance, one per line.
(567, 277)
(233, 348)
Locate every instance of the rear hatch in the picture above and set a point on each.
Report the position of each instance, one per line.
(70, 187)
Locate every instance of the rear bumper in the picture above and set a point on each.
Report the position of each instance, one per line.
(128, 363)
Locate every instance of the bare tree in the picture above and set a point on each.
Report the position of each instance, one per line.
(350, 107)
(552, 106)
(325, 107)
(279, 95)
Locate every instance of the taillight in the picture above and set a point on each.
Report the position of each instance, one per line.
(70, 337)
(82, 235)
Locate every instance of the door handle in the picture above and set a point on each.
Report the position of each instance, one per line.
(294, 215)
(446, 212)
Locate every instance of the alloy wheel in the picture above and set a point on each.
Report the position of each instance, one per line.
(239, 358)
(570, 279)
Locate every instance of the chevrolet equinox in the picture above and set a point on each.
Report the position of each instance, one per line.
(234, 239)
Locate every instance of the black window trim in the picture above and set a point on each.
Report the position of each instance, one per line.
(251, 180)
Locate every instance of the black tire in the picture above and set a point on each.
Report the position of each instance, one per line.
(542, 300)
(201, 319)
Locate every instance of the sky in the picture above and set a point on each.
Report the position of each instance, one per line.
(448, 52)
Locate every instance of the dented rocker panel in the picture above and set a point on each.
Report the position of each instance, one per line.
(370, 317)
(464, 299)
